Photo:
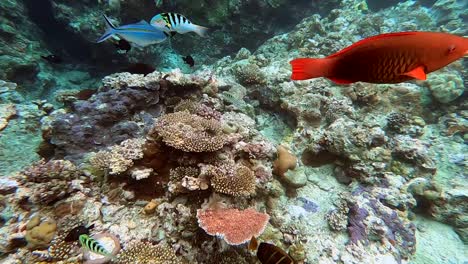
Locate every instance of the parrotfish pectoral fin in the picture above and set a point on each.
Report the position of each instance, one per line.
(417, 73)
(307, 68)
(339, 81)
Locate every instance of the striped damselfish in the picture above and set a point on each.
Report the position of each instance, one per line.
(141, 34)
(173, 22)
(92, 245)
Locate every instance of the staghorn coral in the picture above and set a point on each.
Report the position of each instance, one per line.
(234, 226)
(231, 179)
(49, 181)
(147, 253)
(189, 132)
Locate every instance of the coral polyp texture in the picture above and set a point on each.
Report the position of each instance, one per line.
(235, 180)
(234, 226)
(190, 133)
(147, 253)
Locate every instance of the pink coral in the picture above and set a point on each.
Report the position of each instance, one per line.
(234, 226)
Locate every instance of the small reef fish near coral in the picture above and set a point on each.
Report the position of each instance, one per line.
(233, 132)
(141, 34)
(386, 58)
(173, 22)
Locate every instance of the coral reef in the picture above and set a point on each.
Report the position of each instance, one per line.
(179, 167)
(147, 253)
(190, 133)
(51, 181)
(234, 226)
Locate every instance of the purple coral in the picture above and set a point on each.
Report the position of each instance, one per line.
(103, 120)
(356, 226)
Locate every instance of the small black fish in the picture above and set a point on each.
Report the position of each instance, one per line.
(189, 60)
(139, 68)
(123, 45)
(53, 58)
(75, 233)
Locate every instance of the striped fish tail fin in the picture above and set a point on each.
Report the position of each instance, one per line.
(109, 31)
(201, 31)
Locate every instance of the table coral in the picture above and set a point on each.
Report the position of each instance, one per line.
(234, 226)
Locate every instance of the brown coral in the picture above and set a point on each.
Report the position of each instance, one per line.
(50, 181)
(147, 253)
(189, 132)
(235, 180)
(285, 161)
(119, 158)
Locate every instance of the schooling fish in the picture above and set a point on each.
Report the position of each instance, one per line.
(53, 59)
(75, 233)
(269, 254)
(189, 60)
(141, 34)
(386, 58)
(92, 245)
(173, 22)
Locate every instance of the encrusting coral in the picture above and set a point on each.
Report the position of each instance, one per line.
(39, 234)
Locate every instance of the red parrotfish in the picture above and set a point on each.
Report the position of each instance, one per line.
(386, 58)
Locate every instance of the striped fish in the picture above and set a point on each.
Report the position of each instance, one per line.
(141, 34)
(173, 22)
(92, 245)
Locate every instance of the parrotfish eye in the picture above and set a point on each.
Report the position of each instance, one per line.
(451, 49)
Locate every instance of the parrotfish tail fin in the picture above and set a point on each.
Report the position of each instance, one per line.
(201, 31)
(109, 31)
(306, 68)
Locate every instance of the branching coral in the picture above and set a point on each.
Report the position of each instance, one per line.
(189, 132)
(49, 181)
(234, 226)
(119, 158)
(147, 253)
